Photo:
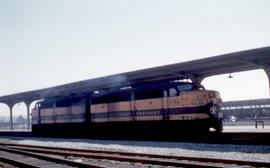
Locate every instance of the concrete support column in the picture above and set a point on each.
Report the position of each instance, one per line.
(197, 81)
(10, 106)
(267, 71)
(28, 103)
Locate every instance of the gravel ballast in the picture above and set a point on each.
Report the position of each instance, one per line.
(224, 151)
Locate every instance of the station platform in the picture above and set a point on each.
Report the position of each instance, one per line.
(15, 130)
(246, 129)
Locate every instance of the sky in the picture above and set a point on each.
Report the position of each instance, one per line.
(46, 42)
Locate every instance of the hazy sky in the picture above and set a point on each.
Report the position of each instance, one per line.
(46, 42)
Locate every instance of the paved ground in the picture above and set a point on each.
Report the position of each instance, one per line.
(246, 128)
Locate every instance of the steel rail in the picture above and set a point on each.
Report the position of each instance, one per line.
(131, 157)
(17, 163)
(109, 157)
(42, 157)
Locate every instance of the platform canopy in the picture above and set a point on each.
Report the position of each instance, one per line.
(195, 70)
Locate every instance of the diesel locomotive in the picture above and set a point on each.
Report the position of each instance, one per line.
(161, 108)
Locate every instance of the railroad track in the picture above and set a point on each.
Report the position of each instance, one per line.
(41, 156)
(259, 138)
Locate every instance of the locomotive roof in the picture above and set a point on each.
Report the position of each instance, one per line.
(196, 69)
(126, 90)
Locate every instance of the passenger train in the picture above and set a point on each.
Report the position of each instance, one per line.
(149, 109)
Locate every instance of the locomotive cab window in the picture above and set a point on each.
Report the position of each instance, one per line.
(165, 93)
(184, 87)
(172, 92)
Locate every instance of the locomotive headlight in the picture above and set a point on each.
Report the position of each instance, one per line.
(213, 110)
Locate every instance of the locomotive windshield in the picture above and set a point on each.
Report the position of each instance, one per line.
(185, 87)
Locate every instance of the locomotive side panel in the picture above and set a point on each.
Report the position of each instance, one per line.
(119, 111)
(99, 113)
(62, 115)
(77, 113)
(188, 106)
(46, 116)
(148, 109)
